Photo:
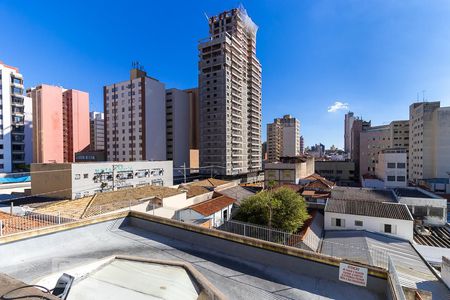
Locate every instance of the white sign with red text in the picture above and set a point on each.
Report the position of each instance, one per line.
(353, 274)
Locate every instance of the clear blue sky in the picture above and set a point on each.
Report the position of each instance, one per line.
(374, 56)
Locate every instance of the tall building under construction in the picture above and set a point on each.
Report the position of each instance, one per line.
(230, 95)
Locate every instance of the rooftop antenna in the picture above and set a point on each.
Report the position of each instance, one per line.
(206, 16)
(423, 95)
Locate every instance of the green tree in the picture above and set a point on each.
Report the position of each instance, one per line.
(281, 209)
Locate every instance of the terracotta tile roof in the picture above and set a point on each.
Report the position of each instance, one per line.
(14, 223)
(316, 177)
(210, 182)
(369, 208)
(106, 202)
(209, 207)
(291, 186)
(193, 190)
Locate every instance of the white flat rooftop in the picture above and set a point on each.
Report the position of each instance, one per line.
(124, 279)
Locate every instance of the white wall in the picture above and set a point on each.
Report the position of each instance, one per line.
(155, 118)
(291, 142)
(442, 135)
(400, 228)
(382, 171)
(28, 116)
(180, 117)
(88, 186)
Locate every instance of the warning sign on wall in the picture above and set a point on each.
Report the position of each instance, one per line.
(353, 274)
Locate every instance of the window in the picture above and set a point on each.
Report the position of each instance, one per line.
(358, 223)
(77, 176)
(337, 222)
(85, 176)
(225, 214)
(401, 165)
(391, 178)
(388, 228)
(391, 165)
(401, 178)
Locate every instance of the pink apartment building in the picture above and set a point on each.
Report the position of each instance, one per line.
(60, 123)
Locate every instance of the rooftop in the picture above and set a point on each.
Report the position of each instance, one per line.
(413, 193)
(193, 190)
(106, 202)
(238, 193)
(239, 267)
(209, 207)
(352, 193)
(369, 208)
(375, 248)
(210, 182)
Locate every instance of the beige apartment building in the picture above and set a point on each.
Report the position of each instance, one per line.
(375, 139)
(230, 95)
(135, 118)
(429, 135)
(283, 138)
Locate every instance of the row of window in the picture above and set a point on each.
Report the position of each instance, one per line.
(399, 178)
(337, 222)
(394, 165)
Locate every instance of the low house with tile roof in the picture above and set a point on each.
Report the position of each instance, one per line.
(217, 210)
(389, 218)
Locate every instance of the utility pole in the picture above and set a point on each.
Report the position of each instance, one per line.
(113, 177)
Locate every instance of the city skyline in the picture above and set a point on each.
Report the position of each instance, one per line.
(397, 50)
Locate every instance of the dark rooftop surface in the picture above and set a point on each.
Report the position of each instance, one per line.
(369, 208)
(236, 278)
(353, 193)
(412, 192)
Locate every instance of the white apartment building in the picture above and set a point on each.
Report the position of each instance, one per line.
(16, 149)
(392, 167)
(181, 127)
(230, 95)
(76, 180)
(283, 138)
(135, 113)
(97, 127)
(429, 135)
(380, 217)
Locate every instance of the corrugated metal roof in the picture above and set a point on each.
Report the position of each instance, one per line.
(352, 193)
(373, 248)
(369, 208)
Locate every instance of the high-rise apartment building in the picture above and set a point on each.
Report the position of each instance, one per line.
(16, 118)
(230, 95)
(135, 118)
(283, 138)
(97, 121)
(60, 123)
(348, 124)
(182, 127)
(429, 141)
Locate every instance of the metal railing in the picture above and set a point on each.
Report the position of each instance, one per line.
(262, 233)
(395, 282)
(30, 221)
(309, 241)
